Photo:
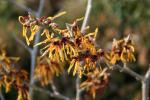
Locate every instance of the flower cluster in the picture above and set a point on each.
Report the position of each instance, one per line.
(75, 47)
(13, 77)
(33, 24)
(122, 50)
(96, 80)
(72, 45)
(46, 69)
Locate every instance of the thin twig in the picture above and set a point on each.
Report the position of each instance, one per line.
(55, 91)
(35, 50)
(145, 85)
(144, 80)
(22, 43)
(87, 14)
(2, 96)
(40, 8)
(78, 92)
(54, 88)
(25, 8)
(130, 72)
(51, 94)
(145, 90)
(147, 75)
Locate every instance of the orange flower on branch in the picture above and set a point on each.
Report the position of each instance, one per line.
(77, 48)
(46, 69)
(23, 94)
(10, 76)
(18, 79)
(82, 41)
(122, 50)
(86, 62)
(21, 83)
(34, 25)
(7, 61)
(59, 49)
(29, 23)
(97, 80)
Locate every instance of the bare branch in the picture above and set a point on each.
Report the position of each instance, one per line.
(130, 72)
(22, 43)
(145, 85)
(87, 14)
(51, 94)
(2, 96)
(40, 8)
(145, 89)
(54, 88)
(144, 80)
(78, 92)
(147, 75)
(35, 50)
(22, 6)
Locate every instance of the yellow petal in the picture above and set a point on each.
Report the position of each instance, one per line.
(131, 47)
(96, 31)
(8, 85)
(61, 55)
(21, 20)
(71, 65)
(25, 35)
(80, 19)
(34, 30)
(113, 60)
(56, 16)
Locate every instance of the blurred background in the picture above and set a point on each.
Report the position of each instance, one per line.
(114, 18)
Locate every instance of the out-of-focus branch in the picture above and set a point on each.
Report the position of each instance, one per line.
(51, 94)
(144, 80)
(40, 8)
(1, 96)
(87, 15)
(84, 24)
(22, 43)
(54, 88)
(55, 91)
(78, 92)
(130, 72)
(145, 85)
(147, 75)
(35, 50)
(78, 89)
(25, 8)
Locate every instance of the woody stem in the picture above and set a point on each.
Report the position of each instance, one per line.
(35, 51)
